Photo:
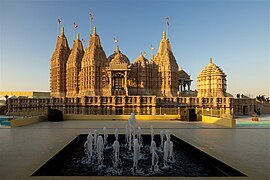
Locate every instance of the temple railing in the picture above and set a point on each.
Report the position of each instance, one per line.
(117, 105)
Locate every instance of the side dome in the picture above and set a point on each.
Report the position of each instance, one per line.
(141, 60)
(211, 82)
(211, 70)
(118, 58)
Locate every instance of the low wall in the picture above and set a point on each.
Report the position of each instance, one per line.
(264, 107)
(27, 121)
(227, 122)
(120, 117)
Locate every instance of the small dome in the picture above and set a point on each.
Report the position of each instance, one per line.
(211, 70)
(118, 58)
(141, 60)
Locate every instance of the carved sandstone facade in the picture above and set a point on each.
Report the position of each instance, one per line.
(91, 73)
(73, 68)
(90, 83)
(58, 67)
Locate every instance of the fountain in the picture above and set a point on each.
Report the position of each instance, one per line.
(154, 166)
(130, 129)
(105, 135)
(152, 133)
(116, 134)
(116, 149)
(88, 146)
(166, 150)
(100, 148)
(162, 133)
(136, 154)
(133, 154)
(95, 138)
(139, 136)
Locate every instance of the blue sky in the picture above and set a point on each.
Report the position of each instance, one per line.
(234, 33)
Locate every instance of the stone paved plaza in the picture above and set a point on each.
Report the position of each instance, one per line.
(25, 149)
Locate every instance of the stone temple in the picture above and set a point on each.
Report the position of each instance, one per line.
(86, 81)
(78, 73)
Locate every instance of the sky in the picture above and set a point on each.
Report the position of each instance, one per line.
(235, 33)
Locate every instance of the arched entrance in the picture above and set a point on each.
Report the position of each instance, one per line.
(118, 81)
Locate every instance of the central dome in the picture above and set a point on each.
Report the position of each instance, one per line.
(118, 58)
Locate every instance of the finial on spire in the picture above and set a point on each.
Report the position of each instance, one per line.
(181, 68)
(78, 36)
(63, 31)
(140, 53)
(117, 49)
(211, 60)
(95, 30)
(164, 35)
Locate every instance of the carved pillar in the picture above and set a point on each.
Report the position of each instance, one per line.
(126, 89)
(215, 103)
(110, 82)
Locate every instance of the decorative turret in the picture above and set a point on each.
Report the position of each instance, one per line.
(211, 82)
(92, 69)
(73, 68)
(58, 66)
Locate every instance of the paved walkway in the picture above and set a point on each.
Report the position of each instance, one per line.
(23, 150)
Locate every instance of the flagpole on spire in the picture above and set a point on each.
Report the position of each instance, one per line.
(167, 26)
(75, 26)
(152, 49)
(58, 25)
(91, 19)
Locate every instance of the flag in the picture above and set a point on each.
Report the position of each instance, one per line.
(59, 21)
(115, 40)
(75, 25)
(167, 21)
(91, 16)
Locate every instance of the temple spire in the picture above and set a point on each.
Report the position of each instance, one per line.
(181, 68)
(211, 60)
(78, 36)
